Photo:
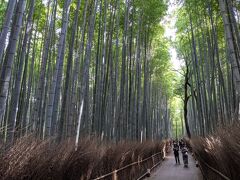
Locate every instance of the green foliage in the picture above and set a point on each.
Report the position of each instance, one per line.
(176, 107)
(161, 63)
(40, 14)
(161, 56)
(152, 10)
(3, 6)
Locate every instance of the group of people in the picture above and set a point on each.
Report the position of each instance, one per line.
(177, 146)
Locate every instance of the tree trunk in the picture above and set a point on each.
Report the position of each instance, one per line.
(17, 87)
(57, 79)
(9, 58)
(6, 26)
(86, 68)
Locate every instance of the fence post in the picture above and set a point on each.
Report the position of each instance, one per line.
(115, 175)
(148, 173)
(139, 161)
(153, 160)
(164, 151)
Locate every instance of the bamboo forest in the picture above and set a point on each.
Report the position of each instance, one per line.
(119, 89)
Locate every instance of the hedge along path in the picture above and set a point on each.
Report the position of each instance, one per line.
(221, 175)
(114, 173)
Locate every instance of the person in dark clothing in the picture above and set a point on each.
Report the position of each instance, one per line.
(185, 156)
(181, 144)
(176, 153)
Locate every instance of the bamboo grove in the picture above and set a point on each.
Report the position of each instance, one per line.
(208, 42)
(75, 68)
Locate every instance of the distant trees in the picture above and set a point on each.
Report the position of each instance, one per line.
(209, 46)
(84, 67)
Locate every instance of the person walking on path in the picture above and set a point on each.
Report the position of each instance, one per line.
(181, 143)
(176, 153)
(185, 156)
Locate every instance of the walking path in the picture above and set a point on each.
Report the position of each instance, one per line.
(168, 170)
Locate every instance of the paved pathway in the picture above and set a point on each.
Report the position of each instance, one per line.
(168, 170)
